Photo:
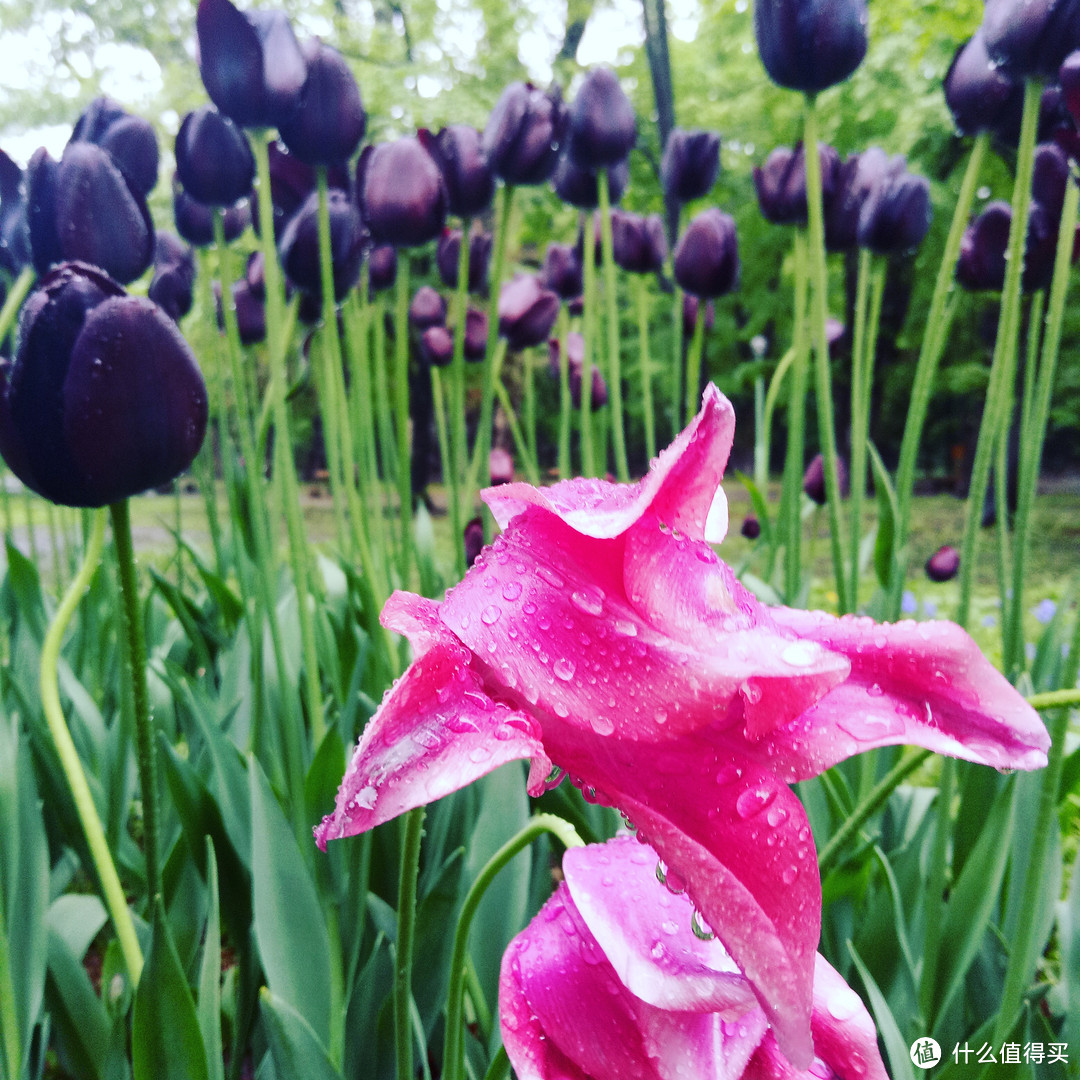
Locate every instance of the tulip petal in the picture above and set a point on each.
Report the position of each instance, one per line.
(436, 731)
(679, 489)
(918, 683)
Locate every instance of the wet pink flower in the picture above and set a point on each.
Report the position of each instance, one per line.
(601, 632)
(612, 981)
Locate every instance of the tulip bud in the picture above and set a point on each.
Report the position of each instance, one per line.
(563, 271)
(980, 96)
(575, 358)
(476, 334)
(104, 399)
(981, 264)
(781, 183)
(751, 527)
(581, 188)
(437, 346)
(401, 192)
(129, 140)
(428, 308)
(690, 308)
(382, 267)
(707, 255)
(251, 64)
(470, 183)
(1069, 76)
(896, 214)
(299, 248)
(474, 540)
(447, 253)
(814, 479)
(195, 221)
(638, 243)
(500, 466)
(213, 158)
(1031, 38)
(944, 564)
(527, 311)
(855, 180)
(174, 276)
(690, 164)
(250, 306)
(328, 121)
(602, 125)
(810, 45)
(523, 133)
(15, 250)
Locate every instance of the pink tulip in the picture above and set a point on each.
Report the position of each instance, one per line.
(601, 632)
(610, 982)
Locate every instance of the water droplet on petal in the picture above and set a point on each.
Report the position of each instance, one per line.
(549, 575)
(789, 875)
(700, 927)
(589, 601)
(753, 801)
(490, 615)
(842, 1003)
(366, 797)
(564, 669)
(800, 653)
(511, 590)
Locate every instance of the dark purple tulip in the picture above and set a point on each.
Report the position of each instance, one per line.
(213, 158)
(448, 251)
(581, 188)
(382, 267)
(690, 307)
(42, 177)
(291, 182)
(980, 96)
(195, 221)
(476, 335)
(129, 140)
(255, 274)
(401, 191)
(327, 124)
(638, 243)
(751, 527)
(523, 134)
(707, 255)
(104, 398)
(690, 165)
(981, 264)
(1031, 38)
(814, 479)
(250, 307)
(859, 175)
(575, 355)
(500, 466)
(473, 540)
(428, 308)
(563, 271)
(810, 45)
(174, 276)
(944, 564)
(470, 183)
(781, 182)
(299, 247)
(602, 127)
(1069, 76)
(251, 63)
(896, 214)
(15, 250)
(527, 311)
(437, 346)
(1050, 175)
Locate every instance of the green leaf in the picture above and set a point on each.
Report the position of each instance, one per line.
(81, 1026)
(289, 923)
(294, 1047)
(896, 1046)
(884, 553)
(166, 1043)
(208, 1010)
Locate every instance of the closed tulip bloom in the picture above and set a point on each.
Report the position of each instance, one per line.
(810, 45)
(690, 165)
(1031, 38)
(174, 276)
(195, 222)
(981, 263)
(328, 121)
(980, 96)
(751, 527)
(251, 63)
(944, 564)
(690, 308)
(1049, 177)
(602, 127)
(382, 267)
(458, 151)
(473, 540)
(401, 191)
(707, 256)
(104, 398)
(896, 214)
(580, 187)
(476, 333)
(129, 140)
(527, 311)
(428, 308)
(299, 248)
(575, 357)
(213, 158)
(638, 243)
(859, 175)
(437, 346)
(15, 251)
(814, 479)
(781, 182)
(250, 306)
(448, 250)
(1069, 77)
(523, 133)
(563, 272)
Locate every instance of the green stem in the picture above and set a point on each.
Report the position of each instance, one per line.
(412, 832)
(442, 429)
(761, 466)
(113, 891)
(453, 1066)
(677, 301)
(401, 415)
(528, 403)
(383, 412)
(566, 404)
(499, 1067)
(1000, 389)
(823, 378)
(1053, 699)
(645, 367)
(528, 462)
(17, 294)
(935, 885)
(588, 335)
(146, 744)
(693, 362)
(622, 468)
(458, 432)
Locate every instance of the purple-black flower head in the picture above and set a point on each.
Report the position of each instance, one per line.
(382, 267)
(690, 165)
(1049, 177)
(1031, 38)
(638, 243)
(213, 158)
(602, 127)
(174, 276)
(476, 335)
(707, 255)
(523, 134)
(448, 251)
(470, 183)
(401, 191)
(251, 63)
(563, 272)
(981, 264)
(437, 346)
(299, 247)
(810, 45)
(427, 308)
(980, 96)
(527, 311)
(575, 358)
(691, 306)
(473, 540)
(580, 187)
(896, 214)
(328, 122)
(781, 182)
(104, 398)
(1069, 77)
(751, 527)
(814, 479)
(859, 175)
(291, 182)
(195, 221)
(15, 250)
(129, 140)
(944, 564)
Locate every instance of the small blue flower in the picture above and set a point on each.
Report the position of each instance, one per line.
(989, 621)
(930, 608)
(1044, 610)
(908, 604)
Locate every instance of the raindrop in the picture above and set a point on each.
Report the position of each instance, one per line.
(602, 725)
(511, 590)
(490, 615)
(800, 653)
(700, 927)
(789, 875)
(550, 577)
(753, 801)
(589, 602)
(563, 669)
(660, 716)
(843, 1003)
(366, 797)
